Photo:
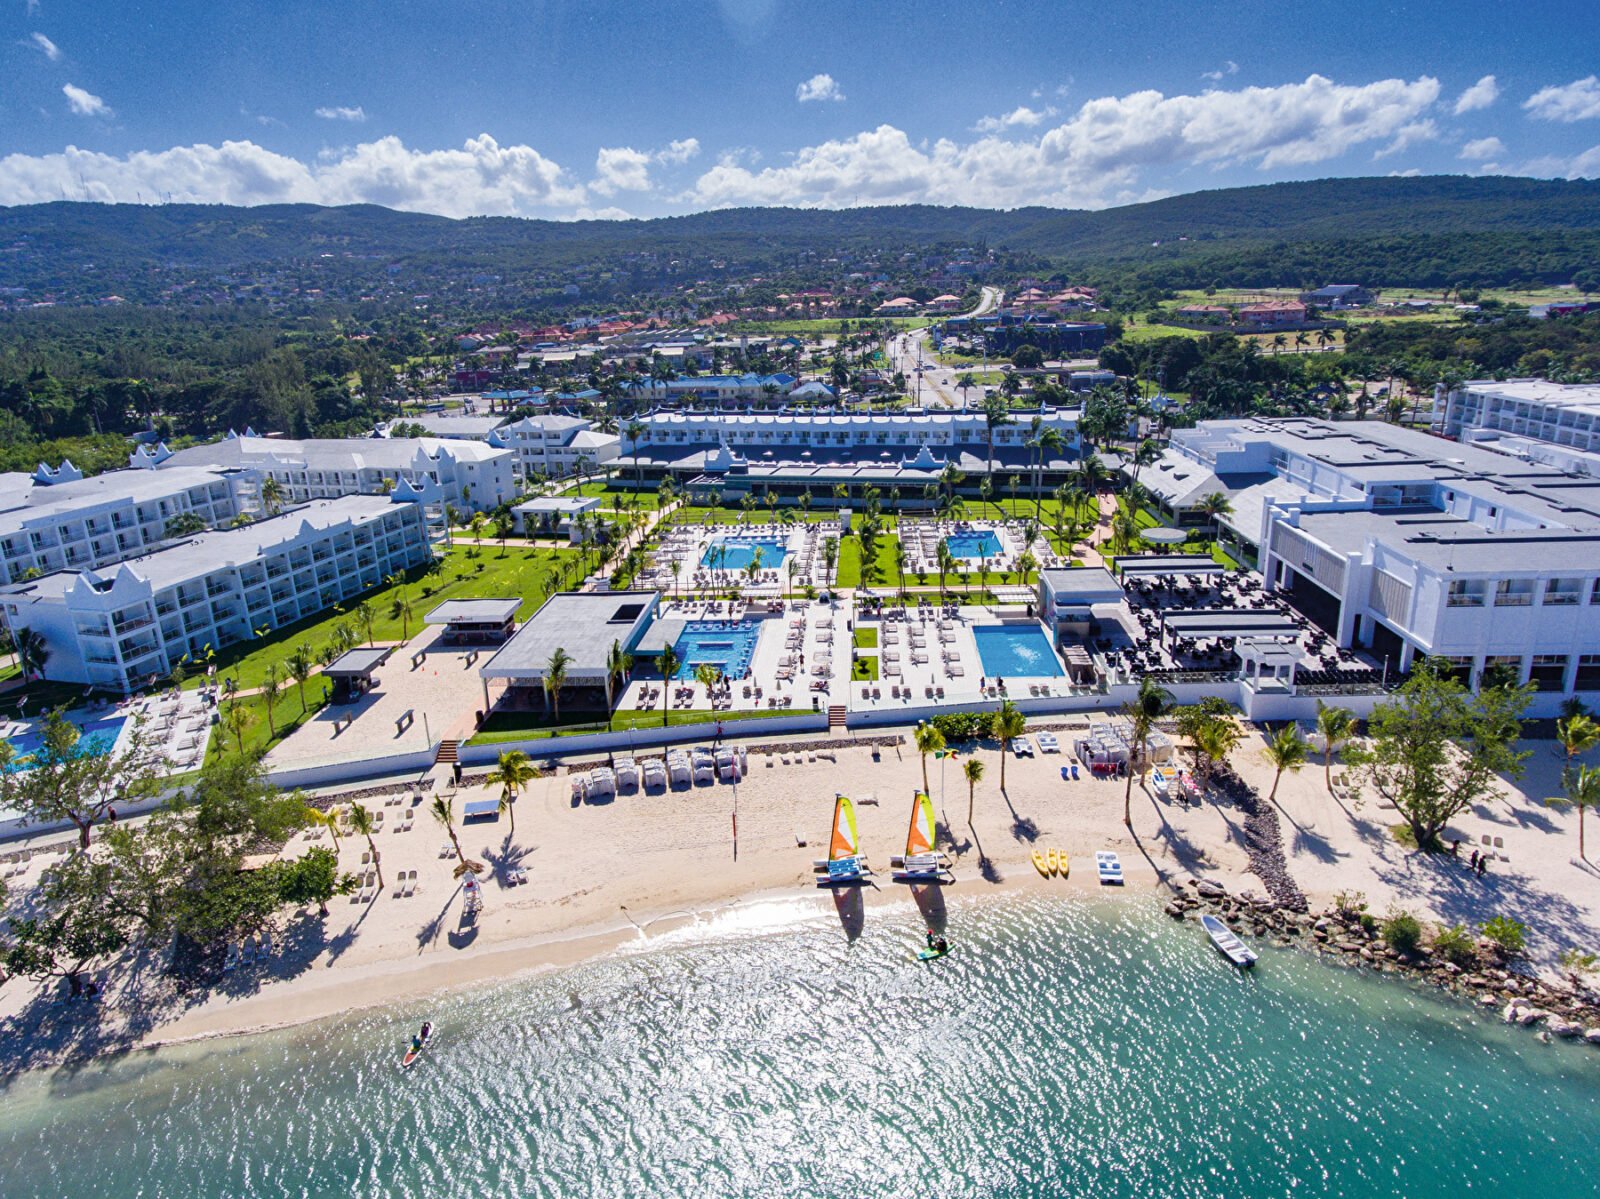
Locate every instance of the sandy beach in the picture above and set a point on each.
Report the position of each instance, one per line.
(606, 874)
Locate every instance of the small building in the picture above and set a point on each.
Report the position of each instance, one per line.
(475, 621)
(351, 672)
(1069, 597)
(1204, 314)
(1338, 295)
(1272, 316)
(583, 625)
(551, 514)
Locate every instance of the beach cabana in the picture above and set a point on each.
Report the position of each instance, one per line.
(351, 672)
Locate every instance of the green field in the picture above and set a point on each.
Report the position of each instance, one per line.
(261, 734)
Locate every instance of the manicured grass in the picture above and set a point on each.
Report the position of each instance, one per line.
(522, 726)
(464, 573)
(647, 498)
(866, 637)
(260, 734)
(864, 670)
(849, 572)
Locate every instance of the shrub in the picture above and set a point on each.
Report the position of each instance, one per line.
(961, 726)
(1455, 944)
(1350, 902)
(1509, 935)
(1369, 923)
(1402, 931)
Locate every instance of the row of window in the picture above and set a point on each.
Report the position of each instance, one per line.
(1522, 593)
(1547, 672)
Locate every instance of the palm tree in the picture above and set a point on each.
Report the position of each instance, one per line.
(618, 663)
(32, 652)
(1286, 750)
(1577, 734)
(1007, 723)
(402, 609)
(301, 663)
(328, 819)
(1143, 710)
(361, 822)
(1335, 725)
(366, 614)
(272, 495)
(271, 692)
(996, 412)
(236, 718)
(973, 770)
(708, 676)
(1214, 507)
(1048, 441)
(555, 678)
(1581, 787)
(929, 740)
(442, 811)
(946, 562)
(830, 554)
(514, 771)
(669, 668)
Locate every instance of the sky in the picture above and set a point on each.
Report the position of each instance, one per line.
(569, 109)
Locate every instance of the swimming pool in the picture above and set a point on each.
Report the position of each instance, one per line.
(974, 543)
(727, 645)
(1021, 651)
(736, 553)
(97, 737)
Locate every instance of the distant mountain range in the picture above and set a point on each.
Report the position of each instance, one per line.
(1420, 231)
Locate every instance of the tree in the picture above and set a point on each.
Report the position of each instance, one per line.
(972, 769)
(669, 669)
(830, 554)
(68, 780)
(514, 771)
(1577, 735)
(1286, 750)
(1006, 723)
(1142, 711)
(271, 693)
(996, 412)
(236, 718)
(1435, 749)
(362, 824)
(301, 664)
(444, 812)
(314, 878)
(929, 740)
(327, 818)
(1211, 731)
(365, 616)
(402, 609)
(272, 495)
(1214, 506)
(1335, 726)
(1580, 786)
(184, 524)
(555, 678)
(618, 663)
(708, 676)
(32, 652)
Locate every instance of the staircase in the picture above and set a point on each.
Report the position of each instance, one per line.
(835, 717)
(446, 755)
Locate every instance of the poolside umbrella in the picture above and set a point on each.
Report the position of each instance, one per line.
(1165, 536)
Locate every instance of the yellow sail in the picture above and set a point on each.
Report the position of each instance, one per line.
(845, 842)
(920, 839)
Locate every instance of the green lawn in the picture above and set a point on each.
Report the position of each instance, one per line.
(866, 637)
(864, 670)
(464, 573)
(648, 498)
(848, 572)
(286, 718)
(521, 726)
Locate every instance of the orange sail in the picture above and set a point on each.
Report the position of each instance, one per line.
(844, 843)
(920, 838)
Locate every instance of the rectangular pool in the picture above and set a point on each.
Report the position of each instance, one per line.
(736, 553)
(974, 543)
(727, 645)
(97, 736)
(1020, 651)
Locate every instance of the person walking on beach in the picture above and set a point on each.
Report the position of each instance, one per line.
(1483, 864)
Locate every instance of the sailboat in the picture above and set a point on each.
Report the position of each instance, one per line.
(845, 862)
(921, 862)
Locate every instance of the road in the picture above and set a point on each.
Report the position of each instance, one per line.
(926, 380)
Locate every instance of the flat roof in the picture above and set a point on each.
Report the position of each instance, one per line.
(358, 663)
(1167, 564)
(474, 611)
(660, 635)
(1228, 622)
(583, 623)
(1085, 583)
(559, 503)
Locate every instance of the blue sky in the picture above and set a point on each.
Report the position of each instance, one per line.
(567, 109)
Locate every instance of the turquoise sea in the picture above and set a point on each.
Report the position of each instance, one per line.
(1063, 1049)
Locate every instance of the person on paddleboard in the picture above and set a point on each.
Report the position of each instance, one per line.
(418, 1040)
(937, 943)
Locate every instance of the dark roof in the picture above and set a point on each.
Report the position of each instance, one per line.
(358, 663)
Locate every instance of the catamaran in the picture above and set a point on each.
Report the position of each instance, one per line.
(921, 862)
(845, 862)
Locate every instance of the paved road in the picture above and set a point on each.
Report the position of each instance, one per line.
(909, 354)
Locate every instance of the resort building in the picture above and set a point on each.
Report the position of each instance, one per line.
(792, 453)
(1407, 545)
(125, 625)
(554, 446)
(449, 426)
(715, 389)
(476, 476)
(585, 626)
(58, 520)
(1560, 414)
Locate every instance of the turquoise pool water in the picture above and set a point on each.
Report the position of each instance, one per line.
(1065, 1048)
(1016, 651)
(736, 553)
(974, 543)
(98, 736)
(727, 645)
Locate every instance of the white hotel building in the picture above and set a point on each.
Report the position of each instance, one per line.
(554, 446)
(1406, 544)
(121, 626)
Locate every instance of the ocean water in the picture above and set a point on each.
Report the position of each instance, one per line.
(1064, 1048)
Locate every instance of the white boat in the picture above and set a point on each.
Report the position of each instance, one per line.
(845, 862)
(1109, 867)
(922, 862)
(1227, 943)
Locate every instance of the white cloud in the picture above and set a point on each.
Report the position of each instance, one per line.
(1407, 136)
(621, 168)
(33, 7)
(1484, 147)
(339, 113)
(482, 177)
(1097, 156)
(46, 47)
(1580, 166)
(85, 104)
(1480, 95)
(1021, 116)
(1576, 101)
(1228, 68)
(679, 151)
(818, 87)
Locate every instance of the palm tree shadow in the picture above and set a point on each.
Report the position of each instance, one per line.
(502, 861)
(428, 934)
(946, 836)
(987, 868)
(1023, 828)
(337, 945)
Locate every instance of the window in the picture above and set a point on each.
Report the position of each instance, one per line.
(1468, 593)
(1563, 591)
(1549, 672)
(1588, 673)
(1513, 593)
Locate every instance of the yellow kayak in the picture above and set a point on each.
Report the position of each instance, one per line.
(1052, 859)
(1040, 864)
(1066, 864)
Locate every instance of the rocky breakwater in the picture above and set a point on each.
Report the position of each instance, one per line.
(1262, 838)
(1478, 973)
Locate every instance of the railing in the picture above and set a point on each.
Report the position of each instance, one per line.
(1342, 689)
(133, 626)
